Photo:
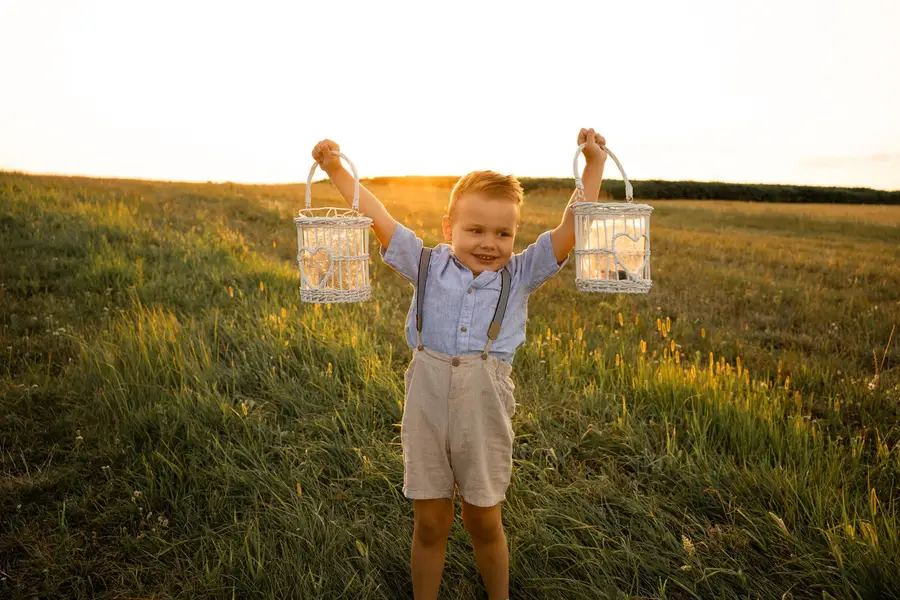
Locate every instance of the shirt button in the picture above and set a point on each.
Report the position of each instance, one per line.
(463, 329)
(455, 362)
(470, 291)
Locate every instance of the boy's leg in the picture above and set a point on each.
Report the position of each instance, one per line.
(485, 526)
(433, 520)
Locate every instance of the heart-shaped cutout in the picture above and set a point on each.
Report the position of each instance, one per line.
(315, 266)
(632, 251)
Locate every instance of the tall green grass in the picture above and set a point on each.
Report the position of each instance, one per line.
(175, 423)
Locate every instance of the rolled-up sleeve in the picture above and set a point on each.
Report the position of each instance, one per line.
(537, 263)
(403, 252)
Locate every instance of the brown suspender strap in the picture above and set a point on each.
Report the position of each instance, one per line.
(424, 260)
(500, 311)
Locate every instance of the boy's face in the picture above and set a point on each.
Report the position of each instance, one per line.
(482, 231)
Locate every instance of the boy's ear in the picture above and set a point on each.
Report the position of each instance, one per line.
(445, 225)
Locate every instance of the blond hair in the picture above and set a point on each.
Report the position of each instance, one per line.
(490, 183)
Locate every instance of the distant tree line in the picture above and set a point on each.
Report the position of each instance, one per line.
(655, 189)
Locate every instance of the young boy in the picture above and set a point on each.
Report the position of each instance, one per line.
(457, 417)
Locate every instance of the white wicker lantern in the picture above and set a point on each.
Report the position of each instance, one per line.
(333, 248)
(612, 241)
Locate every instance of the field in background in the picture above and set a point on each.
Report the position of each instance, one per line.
(174, 422)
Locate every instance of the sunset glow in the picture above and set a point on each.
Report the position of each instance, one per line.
(773, 92)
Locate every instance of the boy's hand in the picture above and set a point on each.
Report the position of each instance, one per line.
(328, 162)
(595, 146)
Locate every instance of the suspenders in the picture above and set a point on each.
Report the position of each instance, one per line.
(493, 330)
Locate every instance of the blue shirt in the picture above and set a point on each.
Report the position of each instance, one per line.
(459, 307)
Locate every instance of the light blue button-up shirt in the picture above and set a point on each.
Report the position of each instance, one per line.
(459, 307)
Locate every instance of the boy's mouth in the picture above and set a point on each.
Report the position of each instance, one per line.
(485, 258)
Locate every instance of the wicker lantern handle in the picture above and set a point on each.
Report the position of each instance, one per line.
(312, 172)
(629, 189)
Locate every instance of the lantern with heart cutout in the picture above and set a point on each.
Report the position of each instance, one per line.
(333, 249)
(612, 241)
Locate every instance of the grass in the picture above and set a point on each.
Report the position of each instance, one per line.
(174, 423)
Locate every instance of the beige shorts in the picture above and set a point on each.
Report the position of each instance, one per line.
(457, 427)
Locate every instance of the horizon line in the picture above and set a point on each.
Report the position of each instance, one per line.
(4, 170)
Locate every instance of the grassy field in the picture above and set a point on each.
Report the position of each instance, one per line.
(175, 423)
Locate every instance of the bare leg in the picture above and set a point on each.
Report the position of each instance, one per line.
(485, 526)
(433, 520)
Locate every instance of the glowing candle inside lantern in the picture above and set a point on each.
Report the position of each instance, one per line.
(343, 244)
(630, 248)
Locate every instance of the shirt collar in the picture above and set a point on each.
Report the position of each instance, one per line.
(486, 279)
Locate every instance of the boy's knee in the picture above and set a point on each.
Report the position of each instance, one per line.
(483, 524)
(433, 522)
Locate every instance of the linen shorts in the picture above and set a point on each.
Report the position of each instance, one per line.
(457, 427)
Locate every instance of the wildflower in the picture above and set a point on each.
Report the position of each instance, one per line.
(687, 544)
(137, 493)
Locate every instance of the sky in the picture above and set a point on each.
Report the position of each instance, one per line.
(786, 91)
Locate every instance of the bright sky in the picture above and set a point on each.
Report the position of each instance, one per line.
(775, 91)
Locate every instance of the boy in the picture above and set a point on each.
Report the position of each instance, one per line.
(457, 416)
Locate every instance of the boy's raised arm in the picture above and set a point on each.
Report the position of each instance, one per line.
(563, 236)
(382, 221)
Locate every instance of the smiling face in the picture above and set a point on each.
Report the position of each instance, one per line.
(482, 231)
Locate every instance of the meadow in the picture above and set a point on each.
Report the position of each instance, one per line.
(175, 423)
